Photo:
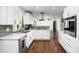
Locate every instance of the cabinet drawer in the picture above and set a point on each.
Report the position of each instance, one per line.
(68, 47)
(65, 45)
(29, 41)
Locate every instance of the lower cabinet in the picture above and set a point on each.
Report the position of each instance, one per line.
(42, 35)
(69, 43)
(64, 41)
(29, 39)
(9, 46)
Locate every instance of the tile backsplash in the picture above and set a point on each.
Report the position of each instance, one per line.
(5, 29)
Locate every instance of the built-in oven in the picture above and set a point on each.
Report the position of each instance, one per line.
(70, 26)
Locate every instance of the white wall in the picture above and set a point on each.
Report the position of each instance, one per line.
(58, 22)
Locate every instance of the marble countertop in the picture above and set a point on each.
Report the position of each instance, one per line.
(13, 36)
(17, 36)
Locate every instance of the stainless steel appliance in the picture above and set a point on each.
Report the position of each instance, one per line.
(22, 45)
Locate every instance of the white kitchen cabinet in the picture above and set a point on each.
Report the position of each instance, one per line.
(29, 39)
(10, 14)
(64, 42)
(69, 43)
(7, 15)
(3, 15)
(9, 46)
(42, 35)
(21, 13)
(71, 11)
(43, 23)
(13, 14)
(72, 43)
(28, 18)
(12, 43)
(58, 24)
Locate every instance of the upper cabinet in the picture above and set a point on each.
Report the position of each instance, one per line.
(28, 18)
(3, 15)
(10, 14)
(70, 11)
(7, 15)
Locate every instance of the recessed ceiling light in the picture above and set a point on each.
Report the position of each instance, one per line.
(37, 8)
(53, 8)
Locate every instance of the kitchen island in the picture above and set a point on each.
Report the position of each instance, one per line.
(17, 42)
(42, 34)
(12, 43)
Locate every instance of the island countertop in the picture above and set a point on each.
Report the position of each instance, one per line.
(13, 36)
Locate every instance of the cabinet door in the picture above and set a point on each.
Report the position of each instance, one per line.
(28, 19)
(8, 14)
(9, 46)
(3, 15)
(28, 39)
(12, 14)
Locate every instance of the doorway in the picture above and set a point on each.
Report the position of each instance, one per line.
(54, 26)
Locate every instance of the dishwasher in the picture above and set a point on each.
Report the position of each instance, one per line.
(22, 45)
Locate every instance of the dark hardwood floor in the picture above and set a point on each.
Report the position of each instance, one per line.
(46, 46)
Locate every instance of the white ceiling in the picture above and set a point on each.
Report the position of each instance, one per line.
(56, 11)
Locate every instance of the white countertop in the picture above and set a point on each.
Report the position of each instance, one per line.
(17, 36)
(13, 36)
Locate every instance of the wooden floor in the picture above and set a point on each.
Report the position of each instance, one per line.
(48, 46)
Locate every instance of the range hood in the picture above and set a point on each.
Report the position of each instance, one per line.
(41, 16)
